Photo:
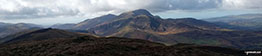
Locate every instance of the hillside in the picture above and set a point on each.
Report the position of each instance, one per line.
(142, 20)
(239, 22)
(111, 46)
(8, 29)
(141, 24)
(41, 34)
(153, 28)
(245, 40)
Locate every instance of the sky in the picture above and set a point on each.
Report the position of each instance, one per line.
(48, 12)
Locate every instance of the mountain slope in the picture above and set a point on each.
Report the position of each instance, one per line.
(94, 46)
(63, 26)
(140, 24)
(4, 24)
(41, 34)
(241, 22)
(8, 29)
(145, 26)
(246, 40)
(181, 30)
(145, 22)
(94, 22)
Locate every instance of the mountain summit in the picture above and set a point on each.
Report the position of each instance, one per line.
(141, 12)
(136, 13)
(141, 24)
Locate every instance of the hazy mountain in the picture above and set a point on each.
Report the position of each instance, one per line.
(63, 26)
(40, 34)
(4, 24)
(241, 22)
(7, 29)
(2, 28)
(99, 46)
(135, 13)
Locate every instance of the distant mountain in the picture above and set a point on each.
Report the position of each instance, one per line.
(142, 20)
(85, 25)
(111, 46)
(107, 19)
(240, 22)
(141, 24)
(8, 29)
(135, 13)
(4, 24)
(245, 40)
(2, 29)
(41, 34)
(148, 27)
(63, 26)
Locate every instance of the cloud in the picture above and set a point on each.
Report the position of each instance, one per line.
(23, 9)
(242, 4)
(33, 9)
(164, 5)
(25, 13)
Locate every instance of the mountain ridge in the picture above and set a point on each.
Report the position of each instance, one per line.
(239, 22)
(39, 34)
(110, 46)
(172, 31)
(8, 28)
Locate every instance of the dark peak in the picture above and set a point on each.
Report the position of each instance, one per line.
(141, 12)
(46, 30)
(109, 15)
(136, 13)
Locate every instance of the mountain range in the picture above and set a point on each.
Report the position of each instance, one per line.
(140, 21)
(141, 24)
(239, 22)
(8, 29)
(39, 34)
(135, 32)
(55, 42)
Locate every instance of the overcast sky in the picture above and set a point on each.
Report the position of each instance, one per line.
(47, 12)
